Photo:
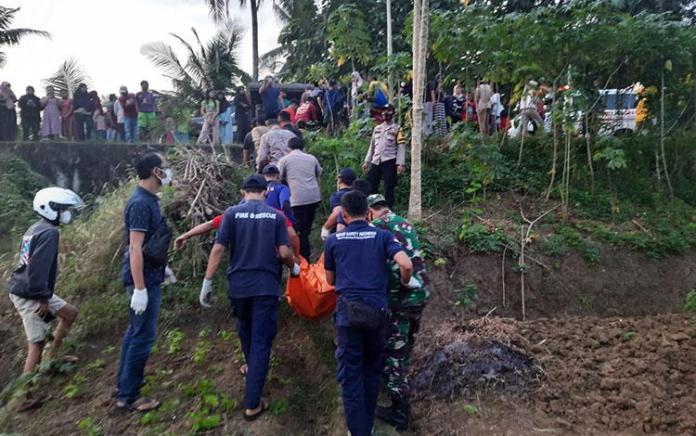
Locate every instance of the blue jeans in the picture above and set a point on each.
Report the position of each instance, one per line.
(360, 356)
(130, 127)
(137, 344)
(257, 321)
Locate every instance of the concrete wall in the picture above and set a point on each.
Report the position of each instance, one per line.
(84, 167)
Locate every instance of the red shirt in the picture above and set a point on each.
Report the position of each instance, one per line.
(217, 221)
(306, 113)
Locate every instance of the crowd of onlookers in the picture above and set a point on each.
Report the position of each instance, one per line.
(80, 116)
(83, 115)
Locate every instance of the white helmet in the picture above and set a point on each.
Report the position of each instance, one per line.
(48, 201)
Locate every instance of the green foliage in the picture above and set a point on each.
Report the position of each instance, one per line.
(690, 304)
(279, 407)
(614, 157)
(202, 348)
(471, 410)
(175, 337)
(467, 296)
(554, 245)
(204, 420)
(628, 336)
(19, 184)
(480, 238)
(349, 36)
(208, 405)
(75, 388)
(89, 427)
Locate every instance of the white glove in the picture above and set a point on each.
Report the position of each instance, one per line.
(412, 284)
(295, 272)
(206, 293)
(139, 301)
(324, 233)
(169, 277)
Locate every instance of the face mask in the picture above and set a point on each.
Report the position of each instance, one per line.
(65, 217)
(168, 175)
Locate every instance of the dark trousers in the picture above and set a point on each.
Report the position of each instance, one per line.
(360, 356)
(84, 124)
(30, 126)
(385, 171)
(304, 218)
(257, 324)
(137, 344)
(8, 124)
(242, 128)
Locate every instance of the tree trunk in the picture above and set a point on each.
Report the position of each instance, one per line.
(420, 44)
(389, 51)
(254, 6)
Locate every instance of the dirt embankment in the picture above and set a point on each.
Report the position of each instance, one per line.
(619, 376)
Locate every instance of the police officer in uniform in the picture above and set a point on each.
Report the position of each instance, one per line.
(386, 155)
(355, 261)
(255, 235)
(406, 304)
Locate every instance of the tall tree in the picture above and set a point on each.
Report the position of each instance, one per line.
(67, 77)
(420, 51)
(10, 37)
(220, 9)
(213, 65)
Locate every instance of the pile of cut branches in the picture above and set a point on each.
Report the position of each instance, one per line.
(205, 185)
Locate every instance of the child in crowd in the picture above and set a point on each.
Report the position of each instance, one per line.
(99, 118)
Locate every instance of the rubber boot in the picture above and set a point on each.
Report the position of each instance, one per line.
(398, 415)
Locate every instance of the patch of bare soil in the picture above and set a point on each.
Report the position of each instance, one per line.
(622, 376)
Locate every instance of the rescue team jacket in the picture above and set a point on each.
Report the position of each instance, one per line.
(35, 277)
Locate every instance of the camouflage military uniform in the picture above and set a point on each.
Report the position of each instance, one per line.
(406, 306)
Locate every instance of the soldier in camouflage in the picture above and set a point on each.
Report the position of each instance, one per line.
(406, 305)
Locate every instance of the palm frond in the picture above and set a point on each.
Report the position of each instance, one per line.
(280, 12)
(7, 16)
(162, 56)
(69, 74)
(14, 36)
(219, 9)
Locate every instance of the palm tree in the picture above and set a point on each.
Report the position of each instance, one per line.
(219, 9)
(213, 65)
(67, 77)
(10, 37)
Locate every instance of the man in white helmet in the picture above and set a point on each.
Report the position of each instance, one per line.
(32, 284)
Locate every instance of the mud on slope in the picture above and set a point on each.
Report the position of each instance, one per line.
(623, 376)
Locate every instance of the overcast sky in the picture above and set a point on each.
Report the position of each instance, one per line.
(106, 36)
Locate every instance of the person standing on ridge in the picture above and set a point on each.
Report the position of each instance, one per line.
(146, 105)
(30, 111)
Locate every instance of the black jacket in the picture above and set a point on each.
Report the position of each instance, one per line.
(30, 106)
(35, 278)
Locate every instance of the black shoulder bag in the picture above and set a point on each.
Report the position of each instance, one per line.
(156, 247)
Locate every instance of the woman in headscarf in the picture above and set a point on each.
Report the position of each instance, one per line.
(225, 119)
(8, 114)
(50, 126)
(242, 114)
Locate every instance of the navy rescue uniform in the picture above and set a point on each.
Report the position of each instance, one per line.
(359, 256)
(252, 232)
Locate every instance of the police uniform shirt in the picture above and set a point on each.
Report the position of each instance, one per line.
(252, 232)
(142, 214)
(359, 256)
